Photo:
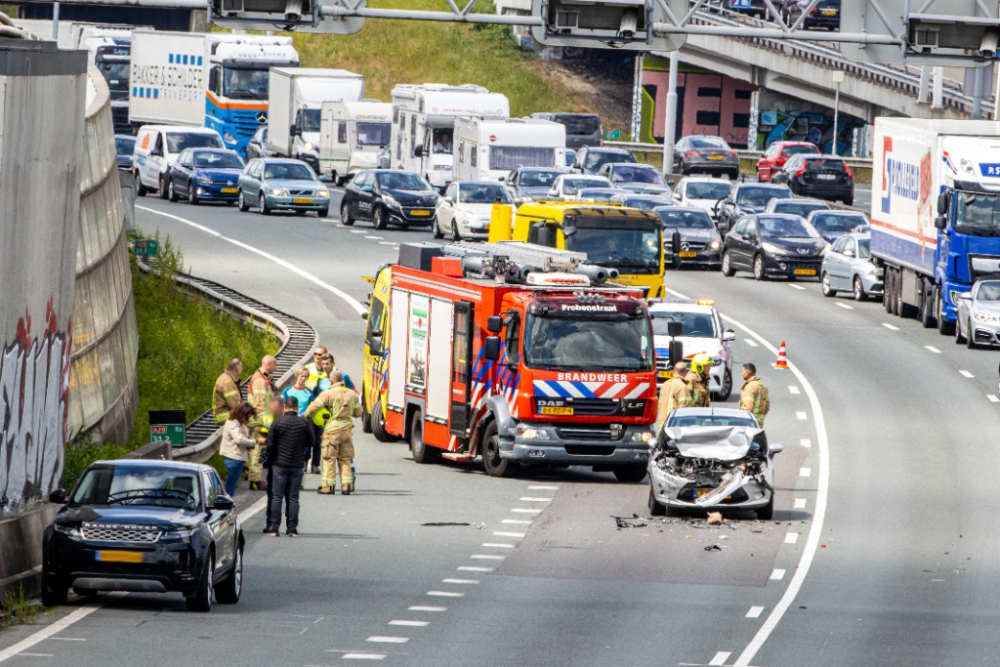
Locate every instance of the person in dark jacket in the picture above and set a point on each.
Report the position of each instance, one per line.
(287, 440)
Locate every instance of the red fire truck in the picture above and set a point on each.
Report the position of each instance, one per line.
(524, 361)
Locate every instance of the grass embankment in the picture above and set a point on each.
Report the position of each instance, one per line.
(389, 52)
(184, 344)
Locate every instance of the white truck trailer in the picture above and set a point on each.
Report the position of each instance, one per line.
(487, 150)
(423, 124)
(109, 49)
(352, 135)
(216, 80)
(935, 212)
(296, 100)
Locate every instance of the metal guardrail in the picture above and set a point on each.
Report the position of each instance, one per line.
(853, 162)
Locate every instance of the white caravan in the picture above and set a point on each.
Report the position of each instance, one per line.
(488, 150)
(423, 121)
(352, 135)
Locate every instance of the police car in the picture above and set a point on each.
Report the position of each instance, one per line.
(701, 331)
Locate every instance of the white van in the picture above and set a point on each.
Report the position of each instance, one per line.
(488, 150)
(157, 148)
(352, 134)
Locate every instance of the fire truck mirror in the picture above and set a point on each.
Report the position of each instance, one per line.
(494, 323)
(676, 352)
(491, 348)
(675, 329)
(375, 346)
(942, 203)
(568, 230)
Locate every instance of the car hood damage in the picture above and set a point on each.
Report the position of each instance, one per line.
(705, 466)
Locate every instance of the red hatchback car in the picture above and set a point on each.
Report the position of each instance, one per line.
(777, 154)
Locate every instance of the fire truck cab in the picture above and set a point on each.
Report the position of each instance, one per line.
(471, 351)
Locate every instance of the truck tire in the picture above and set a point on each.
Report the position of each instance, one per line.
(928, 309)
(378, 424)
(492, 463)
(655, 508)
(944, 327)
(887, 291)
(366, 417)
(422, 452)
(630, 474)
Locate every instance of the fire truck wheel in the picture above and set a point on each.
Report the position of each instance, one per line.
(378, 424)
(421, 452)
(630, 474)
(366, 417)
(494, 465)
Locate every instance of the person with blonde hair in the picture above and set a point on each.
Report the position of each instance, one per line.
(236, 442)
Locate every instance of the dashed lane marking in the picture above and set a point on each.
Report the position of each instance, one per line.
(778, 575)
(357, 231)
(459, 581)
(411, 624)
(388, 243)
(473, 568)
(800, 503)
(536, 500)
(499, 545)
(364, 656)
(425, 608)
(720, 658)
(379, 639)
(932, 349)
(445, 594)
(486, 557)
(793, 389)
(750, 342)
(890, 327)
(791, 538)
(793, 286)
(375, 238)
(522, 522)
(801, 415)
(993, 398)
(844, 306)
(500, 533)
(755, 612)
(805, 442)
(805, 472)
(543, 488)
(521, 510)
(351, 301)
(967, 374)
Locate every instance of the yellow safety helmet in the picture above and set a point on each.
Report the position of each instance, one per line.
(700, 363)
(321, 416)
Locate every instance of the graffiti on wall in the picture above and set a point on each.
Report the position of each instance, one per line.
(811, 126)
(34, 393)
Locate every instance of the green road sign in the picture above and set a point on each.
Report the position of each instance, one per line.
(147, 247)
(613, 135)
(172, 433)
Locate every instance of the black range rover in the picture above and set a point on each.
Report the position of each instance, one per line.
(145, 526)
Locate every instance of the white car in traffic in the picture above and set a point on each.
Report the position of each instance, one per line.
(464, 211)
(701, 191)
(567, 187)
(702, 332)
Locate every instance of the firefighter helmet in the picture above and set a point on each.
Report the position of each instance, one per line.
(321, 416)
(701, 363)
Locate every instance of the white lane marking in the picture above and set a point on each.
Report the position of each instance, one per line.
(890, 327)
(459, 581)
(445, 594)
(720, 658)
(755, 612)
(357, 231)
(412, 624)
(750, 342)
(801, 415)
(425, 608)
(364, 656)
(993, 398)
(379, 639)
(499, 545)
(473, 568)
(800, 503)
(499, 533)
(777, 575)
(793, 389)
(58, 626)
(486, 557)
(844, 306)
(536, 500)
(805, 472)
(520, 510)
(791, 538)
(521, 522)
(69, 639)
(805, 442)
(351, 301)
(37, 655)
(388, 243)
(253, 509)
(932, 349)
(819, 515)
(375, 238)
(543, 488)
(793, 286)
(967, 374)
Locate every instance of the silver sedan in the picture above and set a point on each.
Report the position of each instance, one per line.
(847, 267)
(979, 314)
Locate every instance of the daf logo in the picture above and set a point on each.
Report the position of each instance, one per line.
(803, 251)
(261, 117)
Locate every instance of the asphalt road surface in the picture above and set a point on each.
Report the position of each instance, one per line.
(882, 551)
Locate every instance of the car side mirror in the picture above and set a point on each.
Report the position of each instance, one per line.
(752, 238)
(491, 348)
(728, 336)
(965, 296)
(58, 497)
(418, 151)
(848, 253)
(941, 222)
(156, 152)
(775, 448)
(503, 179)
(223, 503)
(942, 203)
(494, 323)
(671, 182)
(293, 130)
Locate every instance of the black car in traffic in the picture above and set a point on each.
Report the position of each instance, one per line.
(773, 245)
(700, 243)
(145, 526)
(389, 197)
(821, 176)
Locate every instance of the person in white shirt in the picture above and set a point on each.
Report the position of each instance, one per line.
(236, 441)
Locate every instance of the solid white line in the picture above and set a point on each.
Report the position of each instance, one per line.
(37, 655)
(993, 398)
(58, 626)
(844, 306)
(777, 575)
(805, 472)
(800, 503)
(388, 243)
(805, 442)
(68, 639)
(459, 581)
(720, 658)
(486, 557)
(520, 510)
(793, 389)
(351, 301)
(791, 538)
(801, 415)
(378, 639)
(750, 342)
(412, 624)
(890, 327)
(527, 499)
(499, 533)
(472, 568)
(967, 374)
(933, 349)
(424, 608)
(364, 656)
(793, 286)
(754, 612)
(543, 488)
(374, 238)
(521, 522)
(253, 509)
(499, 545)
(357, 231)
(445, 594)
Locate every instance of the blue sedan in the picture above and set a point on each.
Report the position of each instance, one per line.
(279, 184)
(205, 174)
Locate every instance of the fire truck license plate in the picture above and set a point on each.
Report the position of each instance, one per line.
(805, 272)
(687, 253)
(549, 410)
(302, 200)
(420, 214)
(665, 375)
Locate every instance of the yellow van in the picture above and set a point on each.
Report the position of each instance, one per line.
(373, 385)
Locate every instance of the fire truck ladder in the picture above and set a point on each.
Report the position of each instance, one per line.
(513, 261)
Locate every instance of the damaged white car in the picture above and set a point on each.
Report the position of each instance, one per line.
(712, 457)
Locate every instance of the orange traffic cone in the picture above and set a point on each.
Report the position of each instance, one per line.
(782, 362)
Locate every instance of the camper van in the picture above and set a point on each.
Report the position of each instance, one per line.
(423, 122)
(352, 135)
(488, 150)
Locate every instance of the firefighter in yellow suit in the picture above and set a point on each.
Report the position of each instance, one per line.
(260, 391)
(227, 392)
(336, 409)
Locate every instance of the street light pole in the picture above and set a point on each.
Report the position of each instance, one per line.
(838, 78)
(670, 124)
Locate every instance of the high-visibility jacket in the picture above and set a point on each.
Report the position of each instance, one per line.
(700, 394)
(673, 394)
(260, 391)
(754, 398)
(344, 405)
(226, 398)
(315, 374)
